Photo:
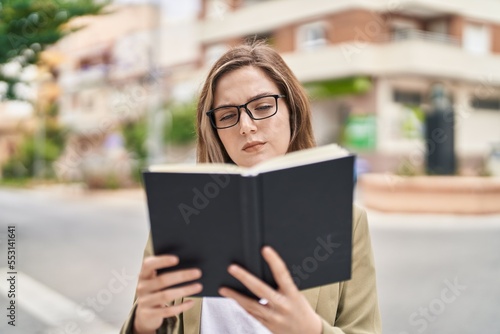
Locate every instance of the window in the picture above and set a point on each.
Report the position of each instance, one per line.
(407, 97)
(402, 29)
(438, 32)
(311, 36)
(477, 38)
(267, 37)
(489, 104)
(100, 59)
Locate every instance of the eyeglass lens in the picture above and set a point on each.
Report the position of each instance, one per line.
(260, 108)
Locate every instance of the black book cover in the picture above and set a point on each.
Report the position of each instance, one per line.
(211, 220)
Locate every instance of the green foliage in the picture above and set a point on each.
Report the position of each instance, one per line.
(112, 182)
(27, 27)
(412, 123)
(180, 129)
(17, 183)
(407, 168)
(135, 134)
(22, 164)
(338, 87)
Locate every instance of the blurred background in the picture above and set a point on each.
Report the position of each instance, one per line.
(93, 91)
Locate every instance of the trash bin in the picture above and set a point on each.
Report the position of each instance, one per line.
(440, 134)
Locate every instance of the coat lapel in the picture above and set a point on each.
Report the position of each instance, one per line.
(192, 317)
(312, 296)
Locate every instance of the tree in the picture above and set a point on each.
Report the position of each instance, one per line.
(28, 27)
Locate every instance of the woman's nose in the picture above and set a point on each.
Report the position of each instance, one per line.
(247, 124)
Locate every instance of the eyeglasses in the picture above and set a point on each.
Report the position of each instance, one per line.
(259, 108)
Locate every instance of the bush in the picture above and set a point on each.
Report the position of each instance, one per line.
(135, 135)
(22, 164)
(181, 127)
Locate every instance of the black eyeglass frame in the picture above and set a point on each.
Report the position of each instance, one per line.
(211, 112)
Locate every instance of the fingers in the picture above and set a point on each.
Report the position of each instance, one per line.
(161, 298)
(255, 285)
(155, 292)
(171, 311)
(259, 288)
(167, 280)
(152, 263)
(148, 320)
(285, 305)
(279, 269)
(251, 306)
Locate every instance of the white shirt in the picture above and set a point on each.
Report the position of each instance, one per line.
(226, 316)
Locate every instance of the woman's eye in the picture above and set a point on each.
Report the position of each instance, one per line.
(227, 117)
(263, 107)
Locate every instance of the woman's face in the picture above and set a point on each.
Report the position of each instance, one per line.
(252, 141)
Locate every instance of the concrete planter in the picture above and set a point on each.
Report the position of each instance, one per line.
(431, 194)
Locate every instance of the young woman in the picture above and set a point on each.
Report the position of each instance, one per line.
(253, 108)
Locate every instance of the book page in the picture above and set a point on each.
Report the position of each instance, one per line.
(299, 158)
(197, 168)
(293, 159)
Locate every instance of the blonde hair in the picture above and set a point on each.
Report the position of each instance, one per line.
(209, 145)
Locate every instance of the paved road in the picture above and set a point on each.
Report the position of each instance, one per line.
(438, 274)
(86, 253)
(78, 257)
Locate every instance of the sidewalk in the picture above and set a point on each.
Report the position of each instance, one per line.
(78, 191)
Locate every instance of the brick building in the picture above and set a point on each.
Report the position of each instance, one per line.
(388, 53)
(369, 66)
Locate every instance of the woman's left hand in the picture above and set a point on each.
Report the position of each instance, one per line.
(287, 310)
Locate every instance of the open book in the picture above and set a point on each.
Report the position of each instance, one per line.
(212, 215)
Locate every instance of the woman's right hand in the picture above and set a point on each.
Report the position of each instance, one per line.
(154, 292)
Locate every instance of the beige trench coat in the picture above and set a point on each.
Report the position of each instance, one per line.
(345, 307)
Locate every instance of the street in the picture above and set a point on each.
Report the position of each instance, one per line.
(78, 256)
(437, 274)
(86, 253)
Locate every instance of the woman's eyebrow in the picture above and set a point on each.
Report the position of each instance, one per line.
(250, 99)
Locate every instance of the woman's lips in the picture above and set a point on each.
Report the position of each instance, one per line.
(253, 147)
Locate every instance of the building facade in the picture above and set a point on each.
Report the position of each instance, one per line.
(108, 78)
(389, 53)
(368, 65)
